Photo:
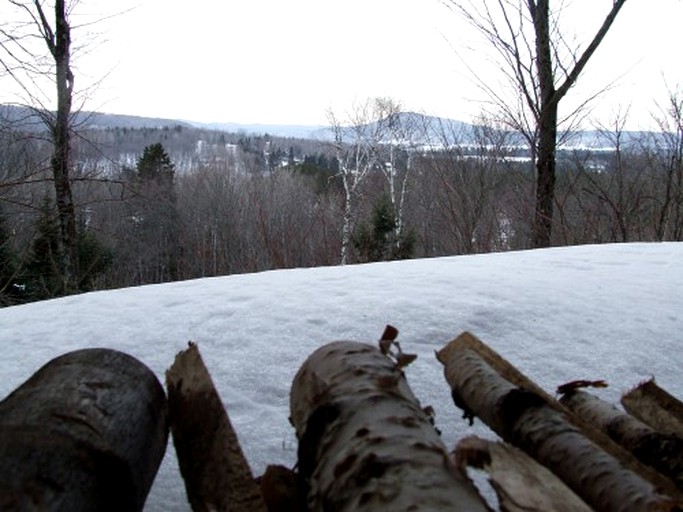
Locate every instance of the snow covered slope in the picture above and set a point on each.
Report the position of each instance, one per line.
(612, 312)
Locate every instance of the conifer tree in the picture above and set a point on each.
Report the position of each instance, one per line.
(8, 265)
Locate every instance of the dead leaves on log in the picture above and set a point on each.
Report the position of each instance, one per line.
(392, 348)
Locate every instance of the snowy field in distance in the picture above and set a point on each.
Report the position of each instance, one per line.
(612, 312)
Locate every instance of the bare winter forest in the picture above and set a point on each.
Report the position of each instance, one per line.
(85, 206)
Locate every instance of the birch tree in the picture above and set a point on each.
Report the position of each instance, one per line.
(354, 150)
(542, 65)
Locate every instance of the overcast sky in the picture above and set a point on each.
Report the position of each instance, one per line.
(277, 61)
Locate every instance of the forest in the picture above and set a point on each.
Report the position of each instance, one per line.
(162, 204)
(88, 207)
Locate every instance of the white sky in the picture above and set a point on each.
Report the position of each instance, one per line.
(612, 312)
(275, 61)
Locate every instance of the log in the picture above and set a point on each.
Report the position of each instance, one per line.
(656, 407)
(664, 452)
(216, 473)
(527, 420)
(86, 432)
(364, 441)
(521, 484)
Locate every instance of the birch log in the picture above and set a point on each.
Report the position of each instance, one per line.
(656, 407)
(86, 432)
(216, 473)
(364, 442)
(521, 483)
(660, 451)
(526, 420)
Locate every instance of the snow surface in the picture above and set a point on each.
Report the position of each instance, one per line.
(611, 312)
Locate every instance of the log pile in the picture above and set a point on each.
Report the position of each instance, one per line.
(600, 454)
(89, 429)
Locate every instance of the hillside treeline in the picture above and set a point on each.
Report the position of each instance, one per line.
(158, 205)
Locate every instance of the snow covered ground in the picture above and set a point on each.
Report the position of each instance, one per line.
(612, 312)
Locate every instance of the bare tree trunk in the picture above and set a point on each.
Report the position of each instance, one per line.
(216, 473)
(58, 42)
(545, 178)
(347, 220)
(85, 432)
(364, 442)
(660, 451)
(528, 420)
(654, 406)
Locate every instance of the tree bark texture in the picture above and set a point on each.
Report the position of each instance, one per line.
(660, 451)
(550, 95)
(364, 442)
(86, 432)
(521, 483)
(527, 420)
(59, 45)
(216, 473)
(656, 407)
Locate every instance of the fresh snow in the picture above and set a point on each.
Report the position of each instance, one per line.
(612, 312)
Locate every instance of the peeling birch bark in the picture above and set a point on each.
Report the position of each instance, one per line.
(364, 441)
(527, 420)
(660, 451)
(656, 407)
(86, 432)
(521, 483)
(216, 473)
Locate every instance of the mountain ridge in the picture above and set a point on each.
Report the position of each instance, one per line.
(434, 128)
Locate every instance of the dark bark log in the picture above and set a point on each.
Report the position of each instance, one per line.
(216, 473)
(547, 432)
(522, 484)
(660, 451)
(364, 441)
(86, 432)
(654, 406)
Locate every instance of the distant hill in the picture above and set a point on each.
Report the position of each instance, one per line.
(28, 119)
(423, 129)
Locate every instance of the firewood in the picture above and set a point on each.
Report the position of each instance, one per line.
(365, 444)
(86, 432)
(216, 473)
(532, 421)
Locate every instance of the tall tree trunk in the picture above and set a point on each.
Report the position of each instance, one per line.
(660, 451)
(545, 177)
(364, 442)
(59, 45)
(86, 432)
(347, 219)
(528, 420)
(547, 142)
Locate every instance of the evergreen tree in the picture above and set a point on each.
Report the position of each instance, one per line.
(8, 267)
(377, 241)
(155, 220)
(43, 274)
(155, 166)
(94, 259)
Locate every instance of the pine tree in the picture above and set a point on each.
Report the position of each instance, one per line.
(43, 273)
(8, 266)
(378, 241)
(156, 217)
(155, 166)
